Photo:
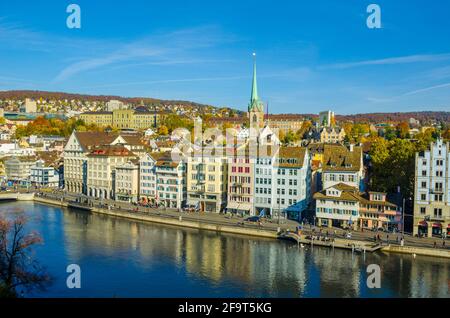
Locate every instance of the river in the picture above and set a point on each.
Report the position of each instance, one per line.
(124, 258)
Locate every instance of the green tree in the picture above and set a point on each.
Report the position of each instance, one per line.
(393, 164)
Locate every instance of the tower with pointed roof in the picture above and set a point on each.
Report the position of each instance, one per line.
(256, 106)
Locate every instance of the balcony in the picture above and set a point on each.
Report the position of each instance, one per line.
(198, 188)
(437, 190)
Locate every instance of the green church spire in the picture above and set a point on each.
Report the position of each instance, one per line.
(254, 83)
(255, 103)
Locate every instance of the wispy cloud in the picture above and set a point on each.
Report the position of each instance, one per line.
(426, 89)
(125, 54)
(391, 61)
(159, 49)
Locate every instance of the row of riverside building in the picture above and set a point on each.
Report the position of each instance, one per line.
(326, 178)
(283, 181)
(279, 182)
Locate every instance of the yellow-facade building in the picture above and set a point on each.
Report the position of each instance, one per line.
(139, 118)
(207, 181)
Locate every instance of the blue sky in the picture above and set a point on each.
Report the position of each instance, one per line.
(311, 55)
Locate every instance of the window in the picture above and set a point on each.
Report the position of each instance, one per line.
(423, 197)
(424, 184)
(438, 212)
(424, 173)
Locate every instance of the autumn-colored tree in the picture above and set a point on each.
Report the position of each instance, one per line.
(306, 125)
(163, 130)
(174, 121)
(18, 270)
(403, 130)
(446, 134)
(348, 128)
(288, 138)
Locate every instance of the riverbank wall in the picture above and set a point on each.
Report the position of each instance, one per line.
(247, 231)
(171, 221)
(433, 252)
(189, 224)
(50, 201)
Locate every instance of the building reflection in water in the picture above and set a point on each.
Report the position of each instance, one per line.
(249, 266)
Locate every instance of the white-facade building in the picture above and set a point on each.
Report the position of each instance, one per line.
(432, 190)
(7, 147)
(171, 188)
(343, 165)
(127, 181)
(115, 104)
(43, 176)
(19, 168)
(147, 178)
(338, 206)
(326, 118)
(283, 183)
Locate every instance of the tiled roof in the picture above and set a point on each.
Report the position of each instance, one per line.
(165, 160)
(97, 113)
(339, 158)
(132, 139)
(111, 151)
(228, 119)
(291, 157)
(348, 193)
(50, 158)
(89, 139)
(284, 117)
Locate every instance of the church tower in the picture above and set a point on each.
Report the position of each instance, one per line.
(255, 107)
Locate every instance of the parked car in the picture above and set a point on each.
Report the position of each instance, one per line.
(253, 219)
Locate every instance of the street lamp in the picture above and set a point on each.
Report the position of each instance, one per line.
(403, 217)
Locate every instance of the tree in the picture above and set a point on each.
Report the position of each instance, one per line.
(393, 164)
(403, 130)
(306, 125)
(17, 268)
(288, 138)
(446, 134)
(163, 130)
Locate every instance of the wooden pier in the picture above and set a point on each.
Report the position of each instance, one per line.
(357, 246)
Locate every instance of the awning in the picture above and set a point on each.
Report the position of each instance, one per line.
(193, 202)
(423, 223)
(439, 225)
(448, 226)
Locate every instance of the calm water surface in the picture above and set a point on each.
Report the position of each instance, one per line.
(123, 258)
